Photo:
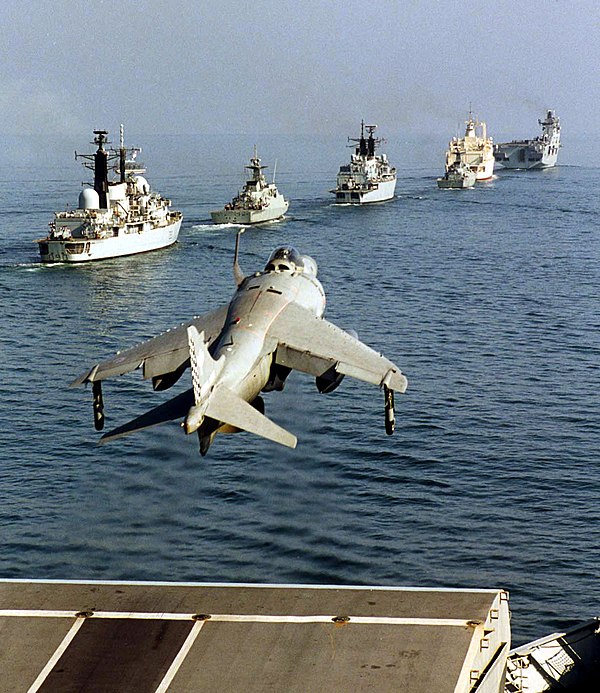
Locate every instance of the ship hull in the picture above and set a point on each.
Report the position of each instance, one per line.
(76, 250)
(249, 216)
(484, 170)
(384, 191)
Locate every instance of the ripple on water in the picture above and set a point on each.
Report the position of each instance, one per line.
(487, 301)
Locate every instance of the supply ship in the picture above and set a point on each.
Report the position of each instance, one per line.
(258, 202)
(475, 150)
(113, 218)
(540, 152)
(369, 177)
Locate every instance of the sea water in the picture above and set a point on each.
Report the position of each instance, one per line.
(487, 299)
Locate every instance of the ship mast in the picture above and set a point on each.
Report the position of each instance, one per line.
(371, 141)
(366, 145)
(255, 166)
(101, 168)
(98, 163)
(122, 154)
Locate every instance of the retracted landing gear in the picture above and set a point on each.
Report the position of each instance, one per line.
(390, 419)
(98, 405)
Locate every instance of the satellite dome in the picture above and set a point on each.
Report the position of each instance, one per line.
(142, 185)
(89, 199)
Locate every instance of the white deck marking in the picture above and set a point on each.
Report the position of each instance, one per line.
(257, 585)
(181, 655)
(241, 618)
(43, 675)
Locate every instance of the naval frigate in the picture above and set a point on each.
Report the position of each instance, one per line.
(539, 152)
(114, 217)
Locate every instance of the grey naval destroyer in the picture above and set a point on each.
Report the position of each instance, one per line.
(540, 152)
(258, 202)
(368, 177)
(114, 217)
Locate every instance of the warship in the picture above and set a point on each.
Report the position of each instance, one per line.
(139, 637)
(457, 176)
(475, 150)
(565, 661)
(540, 152)
(132, 637)
(113, 218)
(258, 202)
(368, 177)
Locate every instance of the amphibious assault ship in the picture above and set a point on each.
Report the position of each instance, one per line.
(368, 177)
(113, 218)
(540, 152)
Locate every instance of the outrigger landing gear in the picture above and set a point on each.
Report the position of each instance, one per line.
(205, 442)
(98, 405)
(390, 419)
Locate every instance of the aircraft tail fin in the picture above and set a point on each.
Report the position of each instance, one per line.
(228, 408)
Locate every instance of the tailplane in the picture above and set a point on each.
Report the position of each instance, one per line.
(228, 408)
(210, 406)
(168, 411)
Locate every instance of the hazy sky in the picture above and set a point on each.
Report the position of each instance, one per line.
(301, 66)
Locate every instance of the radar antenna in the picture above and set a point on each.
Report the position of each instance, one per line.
(366, 145)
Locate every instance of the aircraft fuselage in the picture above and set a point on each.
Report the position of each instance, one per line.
(243, 340)
(273, 324)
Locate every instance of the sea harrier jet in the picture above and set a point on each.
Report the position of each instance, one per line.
(273, 324)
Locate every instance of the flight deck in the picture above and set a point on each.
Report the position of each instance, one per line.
(137, 637)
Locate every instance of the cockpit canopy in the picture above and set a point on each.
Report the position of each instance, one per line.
(285, 259)
(288, 259)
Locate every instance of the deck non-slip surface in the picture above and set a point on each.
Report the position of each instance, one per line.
(156, 637)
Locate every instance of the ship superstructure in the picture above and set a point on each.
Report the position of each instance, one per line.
(368, 177)
(114, 217)
(540, 152)
(475, 150)
(258, 202)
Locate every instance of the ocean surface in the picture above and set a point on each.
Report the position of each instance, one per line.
(487, 299)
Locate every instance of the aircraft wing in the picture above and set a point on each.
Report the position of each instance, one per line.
(163, 354)
(314, 345)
